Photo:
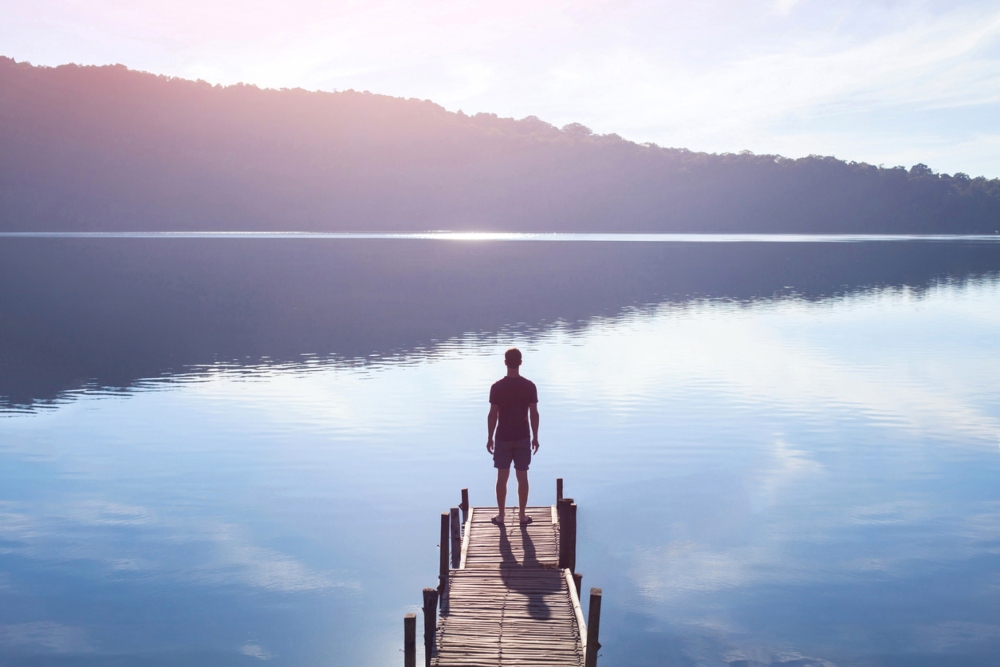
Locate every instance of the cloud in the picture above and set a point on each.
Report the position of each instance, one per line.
(43, 637)
(238, 561)
(721, 75)
(255, 650)
(179, 549)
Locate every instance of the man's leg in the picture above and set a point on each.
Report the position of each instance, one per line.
(522, 491)
(503, 474)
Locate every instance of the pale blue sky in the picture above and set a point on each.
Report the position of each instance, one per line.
(878, 81)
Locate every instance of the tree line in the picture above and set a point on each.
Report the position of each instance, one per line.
(107, 148)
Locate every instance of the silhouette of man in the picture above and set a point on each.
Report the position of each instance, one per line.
(513, 400)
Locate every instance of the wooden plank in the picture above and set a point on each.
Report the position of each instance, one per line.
(508, 604)
(577, 609)
(516, 616)
(466, 538)
(535, 543)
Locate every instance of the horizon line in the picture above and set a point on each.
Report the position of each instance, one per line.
(448, 235)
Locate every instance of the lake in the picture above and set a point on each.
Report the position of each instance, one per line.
(223, 450)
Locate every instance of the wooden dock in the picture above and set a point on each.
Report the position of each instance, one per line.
(508, 596)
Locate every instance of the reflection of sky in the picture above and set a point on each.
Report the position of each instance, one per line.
(780, 481)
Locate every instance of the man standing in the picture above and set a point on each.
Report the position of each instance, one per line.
(512, 400)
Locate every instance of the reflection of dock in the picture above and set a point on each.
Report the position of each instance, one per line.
(507, 596)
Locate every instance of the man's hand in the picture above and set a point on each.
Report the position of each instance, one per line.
(489, 445)
(534, 446)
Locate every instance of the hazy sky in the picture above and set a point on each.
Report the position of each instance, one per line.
(879, 81)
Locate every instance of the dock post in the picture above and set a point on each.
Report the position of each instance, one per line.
(593, 627)
(465, 505)
(456, 539)
(571, 556)
(410, 640)
(562, 512)
(443, 575)
(559, 489)
(430, 624)
(578, 580)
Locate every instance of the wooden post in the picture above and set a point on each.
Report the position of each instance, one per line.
(443, 575)
(410, 640)
(465, 505)
(571, 555)
(456, 539)
(430, 624)
(562, 511)
(558, 490)
(593, 627)
(578, 580)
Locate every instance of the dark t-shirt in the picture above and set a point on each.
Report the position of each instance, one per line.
(513, 395)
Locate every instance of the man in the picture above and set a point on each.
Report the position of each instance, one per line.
(513, 400)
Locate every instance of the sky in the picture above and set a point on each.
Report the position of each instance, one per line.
(879, 81)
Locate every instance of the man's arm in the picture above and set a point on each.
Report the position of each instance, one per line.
(533, 415)
(491, 422)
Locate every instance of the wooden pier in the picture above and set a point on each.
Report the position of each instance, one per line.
(508, 596)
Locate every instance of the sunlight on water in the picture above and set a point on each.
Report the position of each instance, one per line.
(758, 481)
(444, 235)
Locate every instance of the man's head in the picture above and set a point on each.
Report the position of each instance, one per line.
(512, 358)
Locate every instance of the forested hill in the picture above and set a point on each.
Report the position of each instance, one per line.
(106, 148)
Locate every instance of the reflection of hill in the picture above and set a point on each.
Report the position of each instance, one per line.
(108, 149)
(73, 311)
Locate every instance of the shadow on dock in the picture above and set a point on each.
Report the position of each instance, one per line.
(529, 577)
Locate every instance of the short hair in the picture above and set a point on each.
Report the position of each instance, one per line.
(512, 357)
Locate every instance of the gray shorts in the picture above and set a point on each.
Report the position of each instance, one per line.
(518, 451)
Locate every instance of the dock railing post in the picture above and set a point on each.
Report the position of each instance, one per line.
(559, 489)
(465, 505)
(593, 627)
(430, 624)
(456, 539)
(410, 640)
(578, 580)
(571, 557)
(565, 531)
(443, 575)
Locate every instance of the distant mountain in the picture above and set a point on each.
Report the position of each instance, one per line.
(106, 148)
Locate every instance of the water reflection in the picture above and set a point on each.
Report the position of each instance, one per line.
(108, 313)
(805, 479)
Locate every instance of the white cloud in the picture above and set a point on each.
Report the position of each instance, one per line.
(255, 650)
(768, 75)
(226, 554)
(43, 637)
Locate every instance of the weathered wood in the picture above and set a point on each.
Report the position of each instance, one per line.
(430, 624)
(507, 602)
(456, 538)
(559, 489)
(443, 571)
(466, 539)
(410, 640)
(577, 610)
(577, 581)
(571, 528)
(594, 627)
(566, 532)
(465, 505)
(509, 616)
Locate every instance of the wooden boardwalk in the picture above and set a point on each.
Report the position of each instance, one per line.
(508, 603)
(509, 595)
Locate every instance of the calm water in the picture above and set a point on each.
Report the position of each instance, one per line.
(224, 451)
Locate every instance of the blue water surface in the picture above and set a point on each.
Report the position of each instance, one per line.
(772, 478)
